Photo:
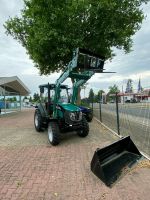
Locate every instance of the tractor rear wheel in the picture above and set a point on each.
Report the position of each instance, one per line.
(38, 123)
(53, 133)
(85, 130)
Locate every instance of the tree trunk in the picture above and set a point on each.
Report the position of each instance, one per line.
(79, 97)
(78, 102)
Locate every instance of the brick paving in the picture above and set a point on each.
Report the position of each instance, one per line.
(31, 169)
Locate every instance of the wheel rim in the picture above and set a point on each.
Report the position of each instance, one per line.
(36, 120)
(50, 133)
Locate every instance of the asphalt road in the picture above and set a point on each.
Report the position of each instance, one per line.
(137, 110)
(134, 120)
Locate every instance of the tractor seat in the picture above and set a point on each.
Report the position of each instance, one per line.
(50, 106)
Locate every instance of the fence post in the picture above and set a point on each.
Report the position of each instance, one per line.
(117, 113)
(92, 102)
(100, 108)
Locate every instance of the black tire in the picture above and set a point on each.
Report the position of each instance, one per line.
(53, 133)
(38, 122)
(85, 130)
(89, 117)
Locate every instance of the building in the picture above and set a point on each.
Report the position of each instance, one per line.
(9, 87)
(143, 96)
(128, 97)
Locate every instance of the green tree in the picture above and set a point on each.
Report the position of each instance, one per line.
(50, 30)
(129, 87)
(98, 95)
(36, 97)
(91, 95)
(12, 99)
(112, 91)
(25, 98)
(30, 99)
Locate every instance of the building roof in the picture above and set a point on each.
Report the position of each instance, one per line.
(15, 85)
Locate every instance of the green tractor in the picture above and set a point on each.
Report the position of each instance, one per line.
(56, 111)
(68, 116)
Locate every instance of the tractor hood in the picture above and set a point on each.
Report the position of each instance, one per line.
(69, 107)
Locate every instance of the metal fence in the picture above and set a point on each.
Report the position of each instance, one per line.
(7, 104)
(127, 119)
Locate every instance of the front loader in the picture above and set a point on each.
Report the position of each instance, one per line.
(59, 114)
(56, 111)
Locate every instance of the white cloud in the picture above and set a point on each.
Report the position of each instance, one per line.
(30, 71)
(120, 78)
(15, 61)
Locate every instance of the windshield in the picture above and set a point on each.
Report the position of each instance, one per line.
(44, 95)
(52, 94)
(63, 96)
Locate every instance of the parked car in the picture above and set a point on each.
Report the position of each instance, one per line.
(112, 101)
(133, 101)
(87, 112)
(127, 101)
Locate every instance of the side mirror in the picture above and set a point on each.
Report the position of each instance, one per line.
(100, 64)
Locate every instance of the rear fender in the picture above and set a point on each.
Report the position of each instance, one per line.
(53, 120)
(42, 110)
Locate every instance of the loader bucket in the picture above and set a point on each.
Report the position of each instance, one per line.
(110, 162)
(90, 61)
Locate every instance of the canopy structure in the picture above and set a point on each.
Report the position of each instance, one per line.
(13, 85)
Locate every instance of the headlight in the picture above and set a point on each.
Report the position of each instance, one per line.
(72, 116)
(76, 116)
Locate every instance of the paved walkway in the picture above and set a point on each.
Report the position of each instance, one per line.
(31, 169)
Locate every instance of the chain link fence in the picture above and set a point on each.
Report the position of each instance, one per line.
(127, 114)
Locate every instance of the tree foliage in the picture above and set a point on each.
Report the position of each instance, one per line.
(11, 99)
(30, 99)
(113, 89)
(112, 92)
(98, 96)
(36, 97)
(129, 87)
(91, 95)
(50, 30)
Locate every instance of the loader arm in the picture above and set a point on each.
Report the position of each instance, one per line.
(78, 83)
(72, 64)
(83, 65)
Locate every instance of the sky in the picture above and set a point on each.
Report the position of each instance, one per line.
(15, 62)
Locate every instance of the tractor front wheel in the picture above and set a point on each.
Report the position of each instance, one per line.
(53, 133)
(85, 130)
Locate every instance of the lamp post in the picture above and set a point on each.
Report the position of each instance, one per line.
(123, 94)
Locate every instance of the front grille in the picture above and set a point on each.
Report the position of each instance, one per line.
(77, 116)
(72, 119)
